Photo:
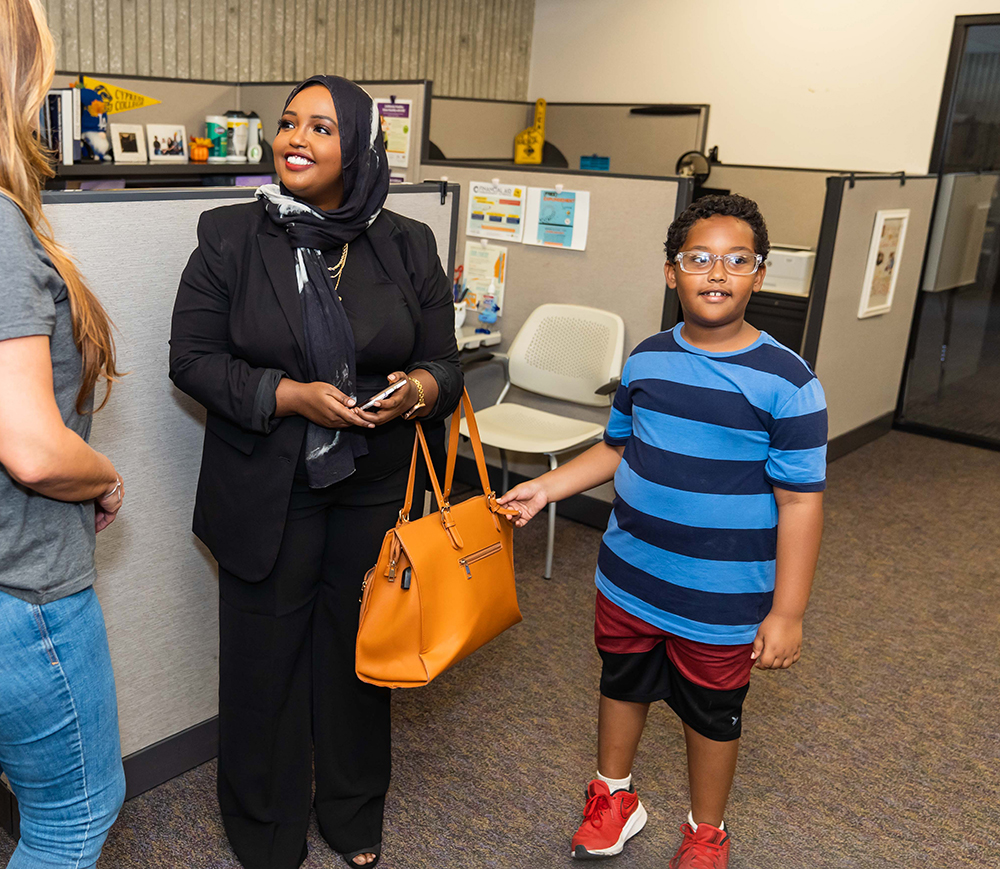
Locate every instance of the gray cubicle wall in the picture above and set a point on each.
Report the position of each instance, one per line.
(791, 200)
(478, 129)
(860, 361)
(621, 270)
(268, 99)
(638, 139)
(156, 582)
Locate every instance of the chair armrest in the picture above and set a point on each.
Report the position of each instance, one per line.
(609, 388)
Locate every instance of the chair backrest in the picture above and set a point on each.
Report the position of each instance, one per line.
(568, 351)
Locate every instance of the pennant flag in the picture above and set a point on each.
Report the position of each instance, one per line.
(116, 99)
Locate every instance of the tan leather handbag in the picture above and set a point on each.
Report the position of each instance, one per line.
(443, 585)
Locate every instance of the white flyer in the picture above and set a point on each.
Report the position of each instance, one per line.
(495, 210)
(483, 267)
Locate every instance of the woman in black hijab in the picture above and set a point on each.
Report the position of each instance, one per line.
(292, 312)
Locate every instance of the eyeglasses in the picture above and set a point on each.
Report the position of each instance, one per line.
(697, 262)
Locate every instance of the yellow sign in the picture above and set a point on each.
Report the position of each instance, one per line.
(117, 99)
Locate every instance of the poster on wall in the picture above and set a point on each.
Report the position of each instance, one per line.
(557, 218)
(397, 120)
(485, 266)
(884, 254)
(496, 210)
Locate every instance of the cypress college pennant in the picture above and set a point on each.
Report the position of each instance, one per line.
(117, 99)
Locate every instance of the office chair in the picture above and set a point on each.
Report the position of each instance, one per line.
(568, 352)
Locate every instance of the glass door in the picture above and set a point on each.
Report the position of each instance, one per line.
(951, 386)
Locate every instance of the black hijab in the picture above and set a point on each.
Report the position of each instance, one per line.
(330, 453)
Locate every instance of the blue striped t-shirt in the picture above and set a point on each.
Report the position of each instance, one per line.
(691, 542)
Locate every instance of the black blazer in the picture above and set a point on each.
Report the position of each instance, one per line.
(236, 320)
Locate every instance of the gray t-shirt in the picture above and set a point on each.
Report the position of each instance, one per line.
(46, 546)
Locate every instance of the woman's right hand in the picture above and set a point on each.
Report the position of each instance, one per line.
(106, 507)
(527, 498)
(319, 402)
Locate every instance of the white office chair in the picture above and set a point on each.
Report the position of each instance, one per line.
(567, 352)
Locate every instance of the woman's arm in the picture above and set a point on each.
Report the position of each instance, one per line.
(36, 447)
(439, 372)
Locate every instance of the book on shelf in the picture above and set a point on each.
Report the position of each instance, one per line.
(60, 123)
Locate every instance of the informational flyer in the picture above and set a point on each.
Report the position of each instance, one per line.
(557, 218)
(483, 266)
(495, 210)
(397, 119)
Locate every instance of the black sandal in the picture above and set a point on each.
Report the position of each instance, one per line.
(377, 851)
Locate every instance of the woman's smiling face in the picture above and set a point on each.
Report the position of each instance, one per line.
(307, 149)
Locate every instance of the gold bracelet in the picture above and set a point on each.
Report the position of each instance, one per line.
(420, 398)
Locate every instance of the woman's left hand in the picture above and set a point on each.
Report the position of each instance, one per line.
(395, 405)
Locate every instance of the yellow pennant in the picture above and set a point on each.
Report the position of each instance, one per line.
(117, 99)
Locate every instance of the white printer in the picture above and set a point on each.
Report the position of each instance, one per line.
(789, 270)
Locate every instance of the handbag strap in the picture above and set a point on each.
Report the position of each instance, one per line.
(474, 439)
(420, 445)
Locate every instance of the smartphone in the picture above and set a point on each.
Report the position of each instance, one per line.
(385, 393)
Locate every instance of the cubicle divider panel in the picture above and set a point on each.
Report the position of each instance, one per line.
(636, 139)
(621, 270)
(478, 129)
(791, 200)
(156, 582)
(181, 102)
(858, 360)
(267, 100)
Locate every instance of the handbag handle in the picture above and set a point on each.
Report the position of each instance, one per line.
(420, 444)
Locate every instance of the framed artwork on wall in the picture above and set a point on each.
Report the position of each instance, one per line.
(884, 254)
(167, 143)
(128, 143)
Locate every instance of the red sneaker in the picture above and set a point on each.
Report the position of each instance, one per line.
(708, 848)
(609, 821)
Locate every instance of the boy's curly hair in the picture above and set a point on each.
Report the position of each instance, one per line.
(731, 205)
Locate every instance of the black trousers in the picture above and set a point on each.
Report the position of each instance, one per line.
(288, 694)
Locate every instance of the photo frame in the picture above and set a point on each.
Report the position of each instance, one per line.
(128, 143)
(167, 143)
(884, 254)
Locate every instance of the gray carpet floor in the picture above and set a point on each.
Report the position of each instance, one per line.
(880, 748)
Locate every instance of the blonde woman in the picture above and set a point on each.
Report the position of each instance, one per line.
(58, 715)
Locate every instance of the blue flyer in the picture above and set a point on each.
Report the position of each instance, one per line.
(555, 218)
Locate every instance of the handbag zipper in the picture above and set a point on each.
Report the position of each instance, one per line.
(475, 556)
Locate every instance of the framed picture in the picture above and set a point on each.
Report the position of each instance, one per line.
(884, 254)
(167, 143)
(128, 143)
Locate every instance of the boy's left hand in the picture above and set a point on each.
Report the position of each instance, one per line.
(778, 643)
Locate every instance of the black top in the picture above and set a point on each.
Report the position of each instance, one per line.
(237, 320)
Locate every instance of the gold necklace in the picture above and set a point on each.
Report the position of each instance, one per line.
(337, 271)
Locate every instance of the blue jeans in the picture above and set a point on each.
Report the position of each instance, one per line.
(59, 729)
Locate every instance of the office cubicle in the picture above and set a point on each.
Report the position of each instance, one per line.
(188, 102)
(621, 269)
(859, 359)
(638, 138)
(156, 582)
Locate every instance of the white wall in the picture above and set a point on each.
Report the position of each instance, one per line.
(841, 84)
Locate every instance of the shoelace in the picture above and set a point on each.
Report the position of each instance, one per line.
(692, 848)
(596, 806)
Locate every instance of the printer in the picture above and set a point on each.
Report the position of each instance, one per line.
(789, 270)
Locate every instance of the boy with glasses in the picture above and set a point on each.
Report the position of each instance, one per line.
(717, 446)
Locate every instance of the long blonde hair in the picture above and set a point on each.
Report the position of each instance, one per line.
(27, 65)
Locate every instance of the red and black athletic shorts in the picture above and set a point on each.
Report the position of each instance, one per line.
(704, 684)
